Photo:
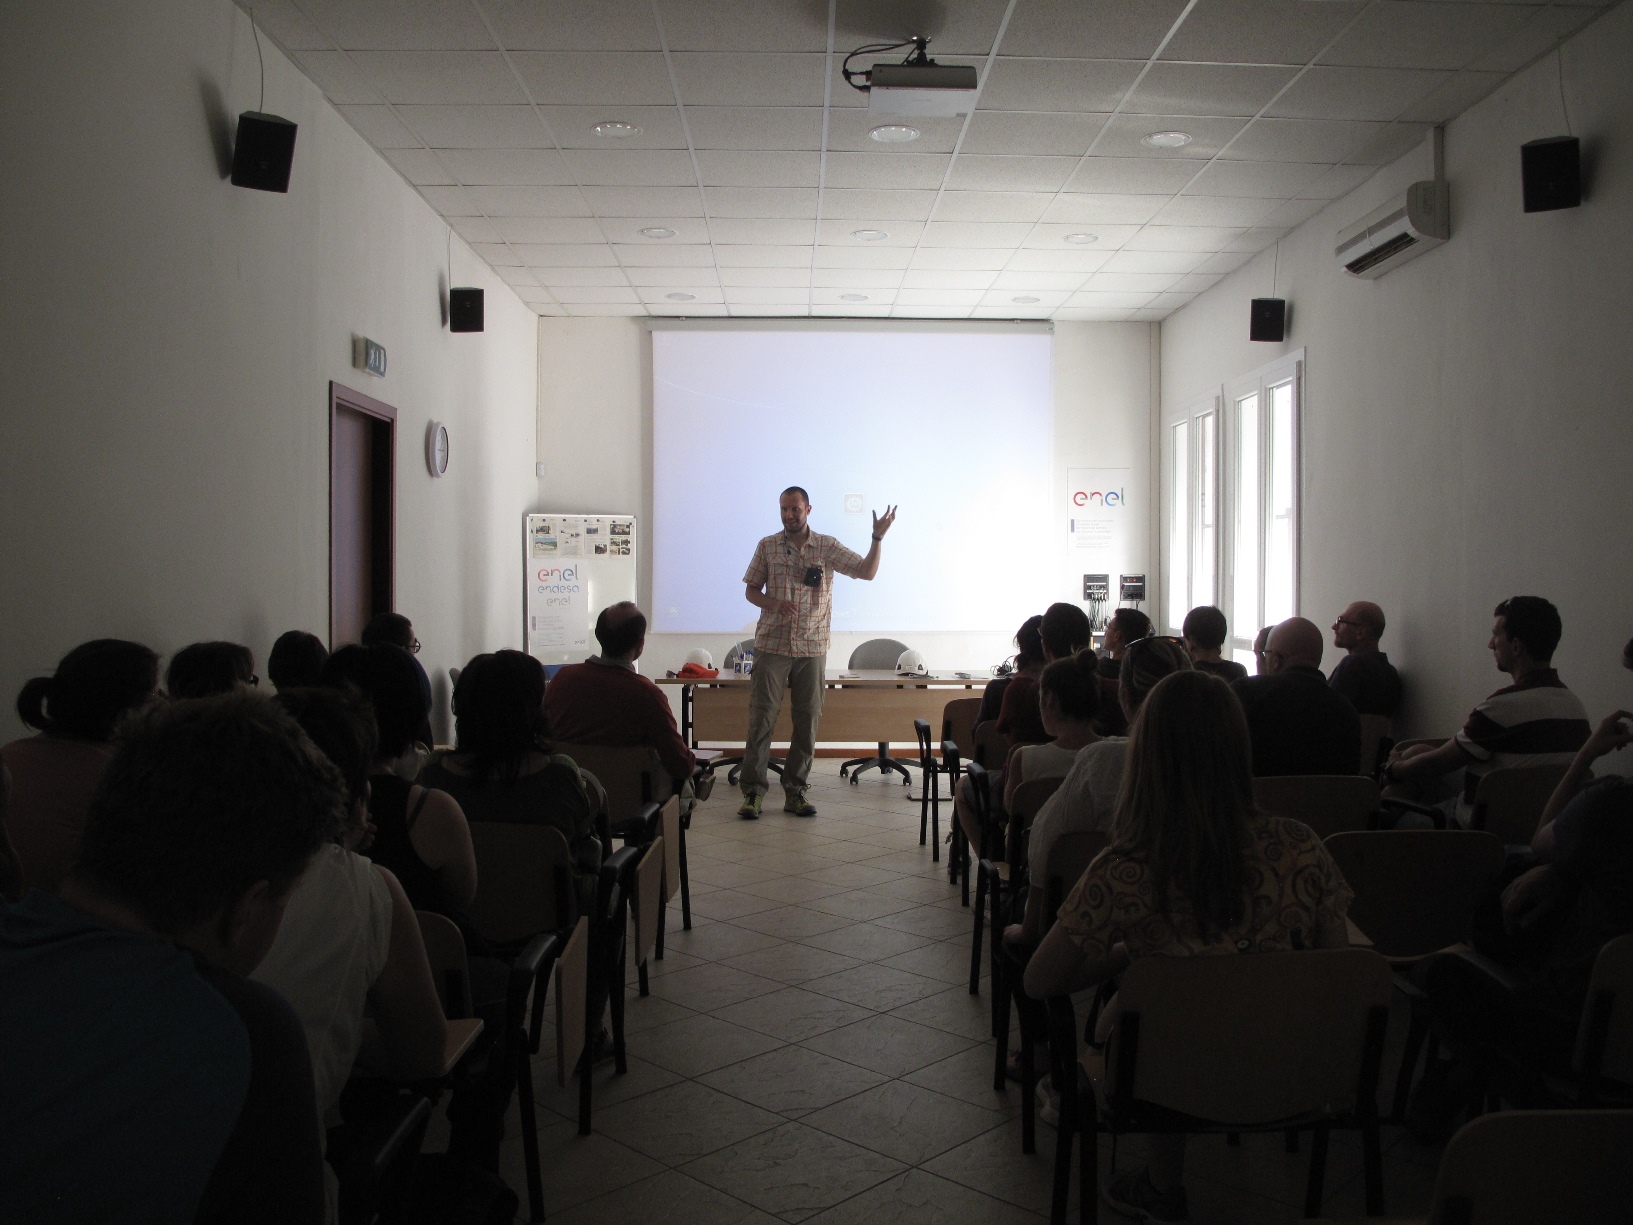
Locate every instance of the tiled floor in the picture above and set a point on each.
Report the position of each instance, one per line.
(810, 1052)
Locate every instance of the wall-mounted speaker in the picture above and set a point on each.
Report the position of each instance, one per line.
(263, 152)
(1551, 173)
(1268, 320)
(464, 310)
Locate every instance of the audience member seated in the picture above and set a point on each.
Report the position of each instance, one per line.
(208, 669)
(502, 768)
(1204, 637)
(1535, 721)
(297, 660)
(145, 1078)
(605, 701)
(1523, 990)
(1193, 869)
(992, 697)
(396, 630)
(1297, 723)
(1260, 641)
(1068, 698)
(1365, 676)
(1018, 716)
(1127, 625)
(349, 941)
(11, 872)
(54, 774)
(420, 834)
(1087, 798)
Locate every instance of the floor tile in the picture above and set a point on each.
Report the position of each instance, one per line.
(860, 905)
(646, 1012)
(729, 875)
(730, 904)
(922, 889)
(866, 941)
(954, 1010)
(920, 1198)
(854, 875)
(793, 1014)
(793, 1170)
(877, 987)
(786, 889)
(707, 987)
(670, 1197)
(718, 941)
(888, 1045)
(684, 1121)
(791, 963)
(948, 963)
(968, 1077)
(993, 1164)
(791, 922)
(907, 1122)
(607, 1087)
(938, 922)
(792, 1079)
(574, 1168)
(700, 1044)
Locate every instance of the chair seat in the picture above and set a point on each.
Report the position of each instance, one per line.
(1148, 1116)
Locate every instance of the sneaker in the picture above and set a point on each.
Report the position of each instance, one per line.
(1133, 1195)
(797, 804)
(1048, 1101)
(750, 811)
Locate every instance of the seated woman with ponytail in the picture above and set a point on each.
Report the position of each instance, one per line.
(1068, 698)
(54, 774)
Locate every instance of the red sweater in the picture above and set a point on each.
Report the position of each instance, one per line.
(601, 703)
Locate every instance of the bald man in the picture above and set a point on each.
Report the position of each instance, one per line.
(1365, 676)
(1297, 723)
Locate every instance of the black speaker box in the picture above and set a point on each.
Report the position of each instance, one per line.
(1268, 320)
(464, 310)
(1551, 173)
(263, 152)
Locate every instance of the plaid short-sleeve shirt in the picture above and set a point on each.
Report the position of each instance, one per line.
(781, 566)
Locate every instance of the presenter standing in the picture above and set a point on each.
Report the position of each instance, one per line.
(790, 581)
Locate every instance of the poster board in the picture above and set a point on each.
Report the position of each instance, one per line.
(575, 565)
(1097, 528)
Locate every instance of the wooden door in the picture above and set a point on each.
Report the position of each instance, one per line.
(362, 511)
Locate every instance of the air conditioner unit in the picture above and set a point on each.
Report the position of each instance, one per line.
(1403, 229)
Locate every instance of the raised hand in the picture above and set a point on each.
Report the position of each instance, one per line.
(881, 523)
(1612, 733)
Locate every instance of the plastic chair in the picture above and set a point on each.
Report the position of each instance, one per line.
(930, 772)
(989, 746)
(1262, 1042)
(1327, 803)
(999, 881)
(958, 725)
(1509, 801)
(1375, 742)
(958, 848)
(1415, 894)
(876, 653)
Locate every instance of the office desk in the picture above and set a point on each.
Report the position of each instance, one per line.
(861, 707)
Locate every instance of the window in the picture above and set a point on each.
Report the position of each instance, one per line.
(1264, 489)
(1192, 507)
(1179, 521)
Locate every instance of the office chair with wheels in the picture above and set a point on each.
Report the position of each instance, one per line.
(876, 653)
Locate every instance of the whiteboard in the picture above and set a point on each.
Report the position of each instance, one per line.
(576, 565)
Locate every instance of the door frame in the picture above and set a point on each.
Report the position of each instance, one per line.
(383, 452)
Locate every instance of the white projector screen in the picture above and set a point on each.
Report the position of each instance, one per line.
(954, 427)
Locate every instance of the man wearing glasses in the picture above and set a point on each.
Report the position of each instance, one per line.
(1365, 676)
(396, 630)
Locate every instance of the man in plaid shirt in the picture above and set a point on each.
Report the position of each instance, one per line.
(791, 581)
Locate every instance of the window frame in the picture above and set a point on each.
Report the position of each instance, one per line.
(1177, 572)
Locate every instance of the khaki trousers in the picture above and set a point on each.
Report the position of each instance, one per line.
(802, 675)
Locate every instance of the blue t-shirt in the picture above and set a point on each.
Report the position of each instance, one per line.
(123, 1071)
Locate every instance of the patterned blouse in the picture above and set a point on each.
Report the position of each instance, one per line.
(1294, 887)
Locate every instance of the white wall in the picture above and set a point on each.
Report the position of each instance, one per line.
(167, 341)
(595, 441)
(1466, 432)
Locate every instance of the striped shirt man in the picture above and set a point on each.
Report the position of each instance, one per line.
(1535, 722)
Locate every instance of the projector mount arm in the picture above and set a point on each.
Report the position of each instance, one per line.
(917, 56)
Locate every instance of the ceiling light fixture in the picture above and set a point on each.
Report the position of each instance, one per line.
(1024, 300)
(894, 133)
(657, 231)
(1166, 140)
(681, 297)
(1081, 239)
(616, 129)
(869, 235)
(853, 297)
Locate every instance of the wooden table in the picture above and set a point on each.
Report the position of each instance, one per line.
(860, 707)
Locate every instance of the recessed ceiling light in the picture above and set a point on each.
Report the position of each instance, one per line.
(869, 235)
(1081, 238)
(894, 133)
(1024, 299)
(853, 297)
(657, 231)
(617, 129)
(681, 297)
(1166, 140)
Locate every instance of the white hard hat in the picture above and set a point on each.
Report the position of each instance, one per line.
(911, 663)
(697, 655)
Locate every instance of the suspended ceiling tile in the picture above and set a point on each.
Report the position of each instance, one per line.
(975, 234)
(1395, 140)
(1413, 34)
(665, 254)
(787, 278)
(1207, 89)
(569, 279)
(334, 73)
(764, 312)
(1460, 92)
(842, 233)
(993, 206)
(987, 172)
(885, 170)
(674, 279)
(766, 295)
(632, 167)
(1214, 210)
(924, 311)
(535, 296)
(833, 296)
(733, 168)
(1260, 31)
(878, 205)
(380, 127)
(1031, 132)
(1052, 237)
(941, 278)
(399, 25)
(848, 132)
(1131, 175)
(833, 255)
(1038, 282)
(587, 310)
(1077, 209)
(1105, 300)
(963, 259)
(572, 294)
(515, 276)
(840, 279)
(456, 78)
(1175, 262)
(748, 79)
(507, 167)
(1071, 85)
(595, 78)
(1095, 315)
(498, 254)
(572, 25)
(744, 25)
(651, 202)
(568, 255)
(1253, 241)
(762, 257)
(689, 231)
(757, 230)
(1052, 259)
(1225, 261)
(1182, 238)
(1129, 282)
(574, 126)
(1547, 27)
(761, 201)
(755, 127)
(1258, 180)
(530, 201)
(420, 167)
(1108, 29)
(451, 201)
(289, 27)
(1331, 92)
(1300, 140)
(1010, 312)
(938, 297)
(702, 295)
(473, 229)
(1208, 134)
(852, 310)
(477, 127)
(549, 229)
(1196, 282)
(1290, 213)
(1337, 181)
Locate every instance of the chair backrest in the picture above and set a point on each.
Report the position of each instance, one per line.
(1415, 890)
(877, 653)
(524, 879)
(1328, 803)
(1606, 1034)
(1029, 797)
(1374, 739)
(958, 724)
(927, 752)
(990, 746)
(649, 899)
(1069, 857)
(1523, 1166)
(1510, 800)
(631, 774)
(450, 969)
(1249, 1038)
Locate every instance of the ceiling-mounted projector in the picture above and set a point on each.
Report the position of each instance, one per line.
(917, 86)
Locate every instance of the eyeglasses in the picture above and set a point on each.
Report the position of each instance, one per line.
(1347, 621)
(254, 680)
(414, 647)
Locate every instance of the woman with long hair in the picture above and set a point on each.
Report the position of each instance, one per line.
(1193, 869)
(75, 710)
